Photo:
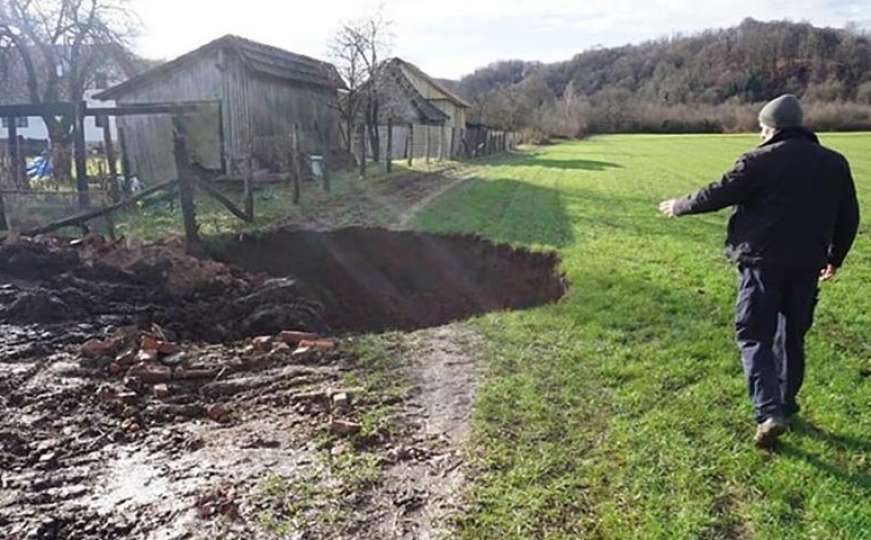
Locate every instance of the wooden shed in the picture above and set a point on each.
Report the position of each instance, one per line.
(260, 94)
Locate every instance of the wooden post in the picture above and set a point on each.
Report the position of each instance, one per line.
(22, 162)
(362, 151)
(80, 153)
(248, 180)
(111, 159)
(388, 158)
(13, 150)
(326, 171)
(185, 190)
(409, 143)
(125, 162)
(297, 164)
(110, 226)
(3, 224)
(428, 141)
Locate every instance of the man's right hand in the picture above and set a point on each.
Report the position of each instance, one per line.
(667, 207)
(828, 273)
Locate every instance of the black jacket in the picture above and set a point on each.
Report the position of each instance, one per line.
(795, 203)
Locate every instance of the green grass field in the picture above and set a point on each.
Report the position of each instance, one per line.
(621, 411)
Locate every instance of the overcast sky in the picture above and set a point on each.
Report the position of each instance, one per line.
(450, 38)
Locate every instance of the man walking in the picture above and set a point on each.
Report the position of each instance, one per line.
(796, 216)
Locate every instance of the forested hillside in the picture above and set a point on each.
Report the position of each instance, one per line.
(704, 82)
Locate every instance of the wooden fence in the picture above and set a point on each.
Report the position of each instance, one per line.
(421, 142)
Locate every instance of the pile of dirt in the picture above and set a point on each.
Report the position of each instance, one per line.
(111, 283)
(372, 279)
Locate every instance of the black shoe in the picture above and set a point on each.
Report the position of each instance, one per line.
(768, 431)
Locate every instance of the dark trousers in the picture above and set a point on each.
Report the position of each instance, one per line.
(774, 311)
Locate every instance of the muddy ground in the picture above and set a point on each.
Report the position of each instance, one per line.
(148, 394)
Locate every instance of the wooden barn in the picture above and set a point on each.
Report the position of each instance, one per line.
(258, 96)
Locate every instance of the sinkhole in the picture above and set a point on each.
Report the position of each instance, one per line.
(372, 279)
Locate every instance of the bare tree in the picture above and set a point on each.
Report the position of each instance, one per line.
(344, 52)
(358, 49)
(60, 46)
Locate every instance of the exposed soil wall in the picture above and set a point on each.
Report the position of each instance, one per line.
(372, 279)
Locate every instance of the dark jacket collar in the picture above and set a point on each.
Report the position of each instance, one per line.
(791, 133)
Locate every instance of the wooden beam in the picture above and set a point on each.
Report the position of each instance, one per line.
(409, 141)
(362, 151)
(39, 109)
(111, 159)
(185, 189)
(125, 159)
(87, 216)
(213, 192)
(297, 165)
(81, 158)
(3, 224)
(144, 109)
(248, 184)
(389, 152)
(13, 149)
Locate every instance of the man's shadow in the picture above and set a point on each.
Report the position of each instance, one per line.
(805, 428)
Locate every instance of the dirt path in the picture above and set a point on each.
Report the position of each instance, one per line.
(419, 494)
(386, 202)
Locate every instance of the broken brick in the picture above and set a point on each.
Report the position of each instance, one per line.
(150, 373)
(323, 344)
(96, 348)
(127, 397)
(293, 337)
(161, 391)
(341, 400)
(279, 349)
(302, 351)
(167, 347)
(147, 355)
(345, 427)
(127, 357)
(148, 342)
(115, 368)
(262, 343)
(216, 412)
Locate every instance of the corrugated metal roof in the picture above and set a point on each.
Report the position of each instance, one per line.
(257, 57)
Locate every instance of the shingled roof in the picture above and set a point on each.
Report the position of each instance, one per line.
(427, 112)
(257, 57)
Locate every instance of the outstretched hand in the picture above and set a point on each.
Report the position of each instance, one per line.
(828, 273)
(667, 207)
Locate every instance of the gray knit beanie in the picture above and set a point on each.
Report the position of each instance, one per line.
(782, 112)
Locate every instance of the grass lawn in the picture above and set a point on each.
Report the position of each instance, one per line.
(621, 412)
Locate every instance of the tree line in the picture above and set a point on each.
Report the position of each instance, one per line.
(713, 81)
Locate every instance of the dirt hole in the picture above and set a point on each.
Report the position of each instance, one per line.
(373, 279)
